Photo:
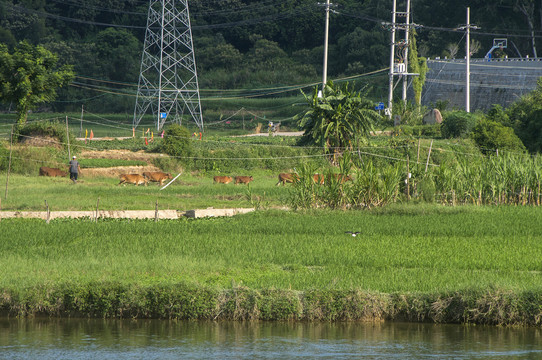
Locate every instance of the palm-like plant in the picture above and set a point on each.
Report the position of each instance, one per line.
(339, 119)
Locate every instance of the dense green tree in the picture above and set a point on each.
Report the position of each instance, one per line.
(119, 54)
(30, 76)
(491, 136)
(526, 117)
(338, 119)
(458, 124)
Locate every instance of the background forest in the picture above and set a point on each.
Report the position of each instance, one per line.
(247, 44)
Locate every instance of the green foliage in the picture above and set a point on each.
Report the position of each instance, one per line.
(417, 65)
(410, 113)
(428, 131)
(104, 163)
(526, 117)
(177, 143)
(458, 124)
(51, 129)
(491, 135)
(121, 50)
(427, 189)
(30, 76)
(339, 119)
(26, 160)
(237, 154)
(499, 115)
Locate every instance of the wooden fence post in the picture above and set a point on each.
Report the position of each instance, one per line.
(9, 164)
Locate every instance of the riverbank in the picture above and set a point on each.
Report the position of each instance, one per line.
(408, 262)
(107, 300)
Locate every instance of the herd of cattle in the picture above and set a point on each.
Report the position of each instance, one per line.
(160, 177)
(136, 179)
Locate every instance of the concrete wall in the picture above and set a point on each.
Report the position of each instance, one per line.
(499, 81)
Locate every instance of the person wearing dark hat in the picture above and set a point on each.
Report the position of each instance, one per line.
(74, 169)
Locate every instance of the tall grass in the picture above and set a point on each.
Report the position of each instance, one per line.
(494, 180)
(403, 249)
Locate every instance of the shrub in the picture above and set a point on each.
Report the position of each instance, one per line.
(427, 189)
(490, 135)
(177, 142)
(458, 124)
(54, 130)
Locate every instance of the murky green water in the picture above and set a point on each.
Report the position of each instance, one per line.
(158, 339)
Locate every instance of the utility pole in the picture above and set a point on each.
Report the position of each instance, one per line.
(467, 90)
(326, 41)
(467, 27)
(407, 33)
(392, 59)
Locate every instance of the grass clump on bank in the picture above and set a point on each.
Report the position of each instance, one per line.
(424, 263)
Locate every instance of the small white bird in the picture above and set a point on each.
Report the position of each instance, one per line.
(352, 232)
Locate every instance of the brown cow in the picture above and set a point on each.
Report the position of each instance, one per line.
(47, 171)
(156, 176)
(243, 179)
(287, 178)
(341, 178)
(135, 179)
(223, 179)
(318, 178)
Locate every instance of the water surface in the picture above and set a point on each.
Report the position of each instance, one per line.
(160, 339)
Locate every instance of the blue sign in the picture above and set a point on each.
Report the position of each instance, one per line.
(163, 115)
(379, 106)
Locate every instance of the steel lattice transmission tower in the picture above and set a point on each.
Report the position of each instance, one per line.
(168, 80)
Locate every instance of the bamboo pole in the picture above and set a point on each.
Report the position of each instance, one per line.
(418, 156)
(9, 163)
(68, 139)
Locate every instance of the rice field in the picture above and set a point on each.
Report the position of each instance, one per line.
(405, 249)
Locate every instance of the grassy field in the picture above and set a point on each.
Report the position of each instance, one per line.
(399, 249)
(186, 193)
(423, 257)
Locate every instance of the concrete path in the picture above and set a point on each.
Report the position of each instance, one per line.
(124, 214)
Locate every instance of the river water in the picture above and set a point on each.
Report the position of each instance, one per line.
(159, 339)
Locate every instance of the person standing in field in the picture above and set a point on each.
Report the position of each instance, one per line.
(74, 169)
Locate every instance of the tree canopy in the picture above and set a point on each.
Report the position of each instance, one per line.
(339, 118)
(30, 76)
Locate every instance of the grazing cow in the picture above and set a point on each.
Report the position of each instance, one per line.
(135, 179)
(318, 178)
(243, 179)
(341, 178)
(287, 178)
(156, 176)
(47, 171)
(223, 179)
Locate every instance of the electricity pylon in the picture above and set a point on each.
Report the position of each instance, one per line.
(168, 80)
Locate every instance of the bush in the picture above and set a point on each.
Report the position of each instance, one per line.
(491, 135)
(458, 124)
(430, 131)
(427, 189)
(177, 143)
(53, 130)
